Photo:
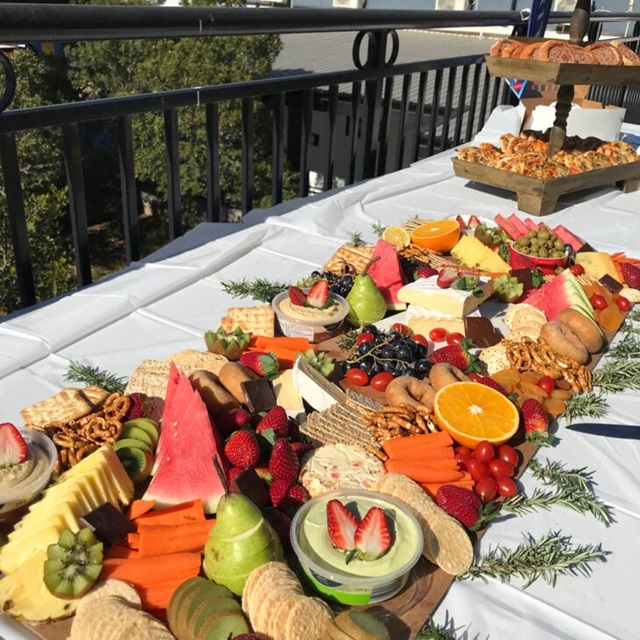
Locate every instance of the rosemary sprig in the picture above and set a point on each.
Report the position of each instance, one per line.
(355, 239)
(628, 347)
(550, 556)
(588, 405)
(633, 316)
(259, 289)
(618, 375)
(555, 473)
(378, 228)
(349, 339)
(579, 501)
(433, 631)
(78, 372)
(629, 327)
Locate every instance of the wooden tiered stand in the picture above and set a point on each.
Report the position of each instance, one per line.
(537, 196)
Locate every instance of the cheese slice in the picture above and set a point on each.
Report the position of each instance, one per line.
(426, 293)
(421, 320)
(314, 387)
(287, 395)
(597, 263)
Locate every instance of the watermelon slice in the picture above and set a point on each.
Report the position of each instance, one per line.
(387, 274)
(518, 224)
(507, 227)
(560, 293)
(533, 226)
(568, 238)
(188, 442)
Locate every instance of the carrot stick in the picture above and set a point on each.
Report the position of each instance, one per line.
(420, 454)
(422, 473)
(286, 357)
(191, 511)
(153, 572)
(265, 343)
(120, 551)
(397, 446)
(133, 540)
(140, 507)
(432, 487)
(158, 597)
(159, 540)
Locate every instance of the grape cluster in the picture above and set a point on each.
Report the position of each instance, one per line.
(340, 284)
(389, 351)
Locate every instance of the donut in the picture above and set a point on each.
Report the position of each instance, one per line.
(409, 390)
(585, 328)
(444, 373)
(564, 341)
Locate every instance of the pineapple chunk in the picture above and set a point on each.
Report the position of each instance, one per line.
(475, 255)
(23, 594)
(16, 552)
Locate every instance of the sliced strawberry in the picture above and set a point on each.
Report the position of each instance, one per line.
(13, 448)
(372, 537)
(341, 525)
(461, 222)
(425, 272)
(631, 275)
(297, 296)
(473, 222)
(319, 294)
(446, 277)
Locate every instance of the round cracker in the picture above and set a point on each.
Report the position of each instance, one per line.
(249, 585)
(449, 544)
(280, 612)
(109, 616)
(513, 311)
(151, 628)
(274, 573)
(306, 619)
(112, 588)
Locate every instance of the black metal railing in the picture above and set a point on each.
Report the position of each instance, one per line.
(439, 104)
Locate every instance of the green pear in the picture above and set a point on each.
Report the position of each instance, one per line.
(366, 303)
(240, 541)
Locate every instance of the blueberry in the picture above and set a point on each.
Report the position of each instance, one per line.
(370, 328)
(422, 367)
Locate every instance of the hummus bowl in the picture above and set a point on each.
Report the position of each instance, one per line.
(308, 322)
(22, 483)
(358, 582)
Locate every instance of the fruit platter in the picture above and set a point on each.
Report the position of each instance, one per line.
(325, 464)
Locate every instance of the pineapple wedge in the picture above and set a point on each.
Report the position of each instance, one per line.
(475, 255)
(24, 595)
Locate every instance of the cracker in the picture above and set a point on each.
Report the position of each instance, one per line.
(357, 257)
(190, 360)
(495, 358)
(306, 619)
(449, 545)
(258, 320)
(95, 395)
(632, 295)
(112, 588)
(149, 377)
(278, 619)
(268, 575)
(65, 406)
(250, 584)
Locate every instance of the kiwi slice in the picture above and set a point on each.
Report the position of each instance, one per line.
(361, 625)
(73, 563)
(137, 433)
(137, 462)
(150, 427)
(131, 442)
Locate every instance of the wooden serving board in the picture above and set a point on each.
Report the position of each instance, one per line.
(540, 197)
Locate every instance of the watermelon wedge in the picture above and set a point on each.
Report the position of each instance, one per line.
(533, 226)
(568, 238)
(520, 226)
(507, 227)
(188, 442)
(387, 274)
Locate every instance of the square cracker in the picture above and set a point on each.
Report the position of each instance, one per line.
(260, 320)
(357, 257)
(66, 405)
(189, 360)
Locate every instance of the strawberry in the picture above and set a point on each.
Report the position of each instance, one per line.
(425, 272)
(536, 422)
(232, 420)
(341, 525)
(262, 363)
(281, 524)
(464, 505)
(301, 448)
(630, 274)
(233, 473)
(138, 408)
(13, 448)
(297, 495)
(474, 221)
(461, 222)
(278, 491)
(372, 537)
(458, 356)
(242, 449)
(277, 420)
(297, 296)
(318, 294)
(283, 462)
(490, 382)
(446, 277)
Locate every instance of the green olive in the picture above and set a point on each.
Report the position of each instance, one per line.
(532, 234)
(558, 245)
(543, 253)
(525, 249)
(523, 241)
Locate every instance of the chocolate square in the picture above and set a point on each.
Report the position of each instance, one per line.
(108, 524)
(610, 283)
(251, 485)
(524, 277)
(481, 332)
(259, 395)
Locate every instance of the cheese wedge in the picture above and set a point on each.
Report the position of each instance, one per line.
(426, 293)
(597, 263)
(421, 320)
(287, 395)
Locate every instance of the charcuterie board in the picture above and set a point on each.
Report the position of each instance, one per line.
(540, 197)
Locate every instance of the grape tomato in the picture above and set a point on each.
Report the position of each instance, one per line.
(509, 455)
(365, 336)
(547, 384)
(381, 380)
(357, 377)
(438, 334)
(462, 458)
(478, 470)
(401, 328)
(576, 269)
(455, 338)
(418, 337)
(598, 301)
(484, 452)
(487, 489)
(501, 469)
(506, 487)
(623, 303)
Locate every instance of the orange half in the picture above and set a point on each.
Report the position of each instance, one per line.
(471, 412)
(437, 235)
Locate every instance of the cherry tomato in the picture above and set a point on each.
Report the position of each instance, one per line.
(547, 384)
(598, 301)
(455, 338)
(509, 455)
(623, 303)
(462, 458)
(576, 269)
(501, 469)
(487, 489)
(418, 337)
(358, 377)
(476, 377)
(401, 328)
(365, 336)
(381, 380)
(438, 334)
(462, 449)
(484, 452)
(506, 487)
(478, 470)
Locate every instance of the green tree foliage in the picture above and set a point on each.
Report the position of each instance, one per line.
(40, 80)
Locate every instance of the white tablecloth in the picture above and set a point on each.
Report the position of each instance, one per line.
(166, 302)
